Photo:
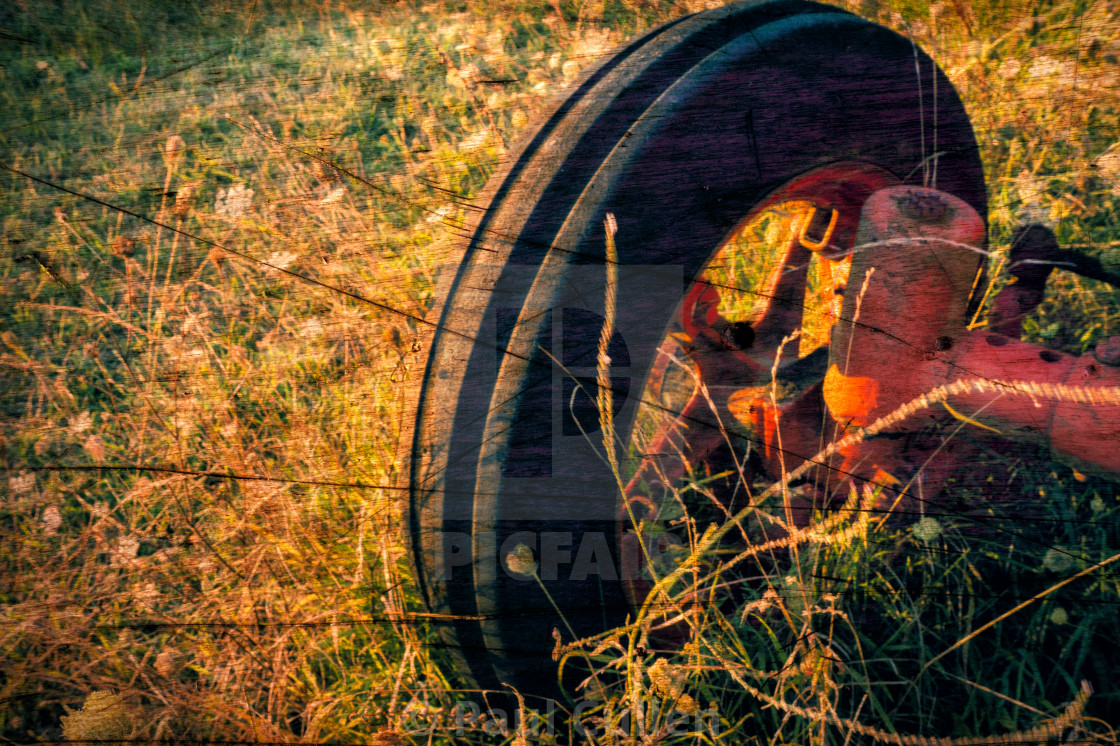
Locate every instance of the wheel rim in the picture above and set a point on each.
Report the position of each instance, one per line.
(806, 227)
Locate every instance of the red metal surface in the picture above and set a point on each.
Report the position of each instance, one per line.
(730, 370)
(902, 334)
(909, 338)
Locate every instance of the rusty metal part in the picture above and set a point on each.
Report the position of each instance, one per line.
(907, 338)
(1033, 256)
(1033, 248)
(901, 334)
(738, 399)
(1086, 265)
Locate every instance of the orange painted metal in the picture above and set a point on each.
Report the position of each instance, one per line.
(904, 335)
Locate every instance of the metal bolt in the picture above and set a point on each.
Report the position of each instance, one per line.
(739, 335)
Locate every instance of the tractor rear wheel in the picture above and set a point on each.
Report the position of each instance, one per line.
(683, 136)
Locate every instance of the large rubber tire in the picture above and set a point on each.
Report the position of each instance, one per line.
(680, 135)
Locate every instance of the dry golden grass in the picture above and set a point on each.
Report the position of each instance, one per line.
(221, 228)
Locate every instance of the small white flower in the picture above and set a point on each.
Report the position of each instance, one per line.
(52, 519)
(464, 77)
(520, 561)
(440, 214)
(1031, 194)
(181, 423)
(476, 141)
(21, 484)
(1057, 559)
(233, 202)
(495, 47)
(81, 423)
(125, 551)
(592, 44)
(145, 593)
(927, 529)
(1097, 504)
(569, 70)
(190, 321)
(282, 259)
(1047, 73)
(1059, 616)
(311, 329)
(336, 194)
(1044, 66)
(1010, 68)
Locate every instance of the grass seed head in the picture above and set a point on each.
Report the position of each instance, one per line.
(173, 149)
(103, 717)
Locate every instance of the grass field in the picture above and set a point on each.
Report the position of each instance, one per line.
(220, 226)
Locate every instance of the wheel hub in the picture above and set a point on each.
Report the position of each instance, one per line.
(901, 361)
